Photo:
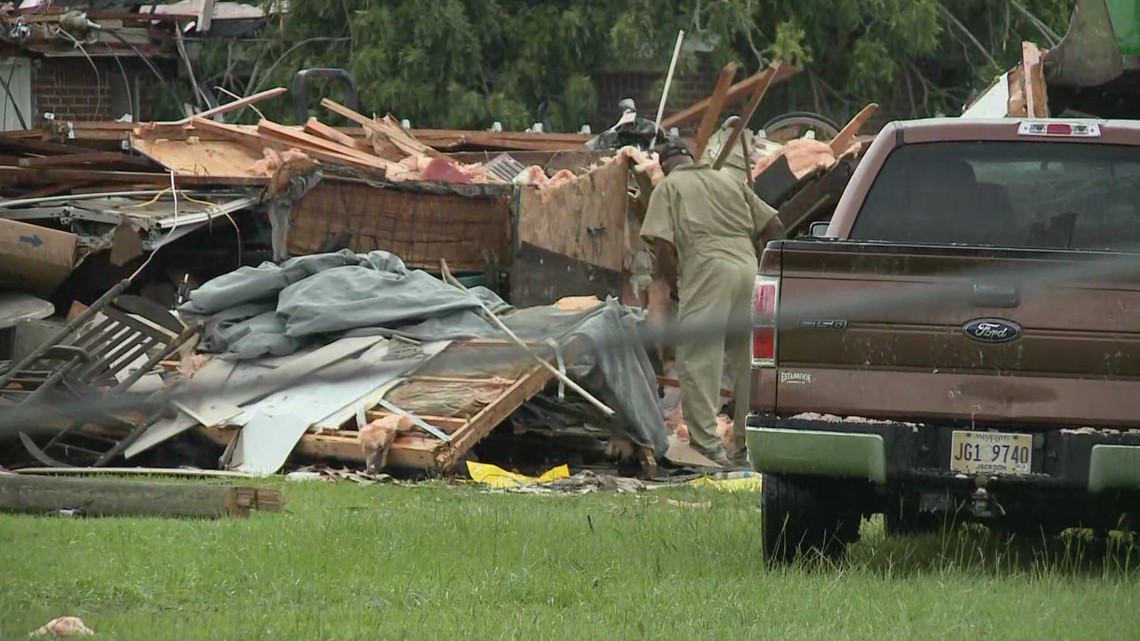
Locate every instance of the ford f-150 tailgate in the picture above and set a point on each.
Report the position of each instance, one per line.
(923, 332)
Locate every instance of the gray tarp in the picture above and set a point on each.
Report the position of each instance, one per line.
(277, 309)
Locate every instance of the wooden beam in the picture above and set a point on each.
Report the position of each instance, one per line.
(716, 105)
(735, 92)
(757, 96)
(231, 106)
(103, 157)
(114, 497)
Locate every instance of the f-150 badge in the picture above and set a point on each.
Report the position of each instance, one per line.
(992, 330)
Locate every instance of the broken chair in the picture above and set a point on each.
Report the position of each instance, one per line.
(101, 353)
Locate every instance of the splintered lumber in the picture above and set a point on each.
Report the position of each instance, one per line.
(735, 92)
(390, 130)
(846, 136)
(116, 497)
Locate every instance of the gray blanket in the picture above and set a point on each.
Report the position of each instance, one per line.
(274, 310)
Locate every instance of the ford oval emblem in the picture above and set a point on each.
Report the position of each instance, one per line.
(992, 330)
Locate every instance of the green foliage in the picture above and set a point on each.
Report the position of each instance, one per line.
(466, 63)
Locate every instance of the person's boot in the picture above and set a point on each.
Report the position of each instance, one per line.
(716, 455)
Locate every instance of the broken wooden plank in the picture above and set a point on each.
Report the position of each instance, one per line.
(846, 136)
(231, 106)
(309, 143)
(253, 139)
(738, 128)
(735, 92)
(405, 452)
(317, 128)
(177, 472)
(1036, 99)
(448, 425)
(115, 497)
(716, 106)
(392, 131)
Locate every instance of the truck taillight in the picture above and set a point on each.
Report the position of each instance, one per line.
(1059, 128)
(764, 301)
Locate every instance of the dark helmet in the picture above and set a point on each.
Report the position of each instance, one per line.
(671, 148)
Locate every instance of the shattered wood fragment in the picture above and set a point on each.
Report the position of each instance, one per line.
(846, 136)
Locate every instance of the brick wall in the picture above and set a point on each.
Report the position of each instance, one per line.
(686, 89)
(69, 88)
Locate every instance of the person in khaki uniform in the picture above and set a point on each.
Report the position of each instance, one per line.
(711, 228)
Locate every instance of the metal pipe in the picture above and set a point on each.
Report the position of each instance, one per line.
(665, 92)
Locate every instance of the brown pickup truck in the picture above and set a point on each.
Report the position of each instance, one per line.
(962, 343)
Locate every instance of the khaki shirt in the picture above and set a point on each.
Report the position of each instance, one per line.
(707, 216)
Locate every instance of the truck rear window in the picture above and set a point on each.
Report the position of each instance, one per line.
(1010, 194)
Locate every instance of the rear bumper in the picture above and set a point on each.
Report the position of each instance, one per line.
(887, 452)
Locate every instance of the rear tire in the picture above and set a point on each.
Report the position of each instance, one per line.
(800, 516)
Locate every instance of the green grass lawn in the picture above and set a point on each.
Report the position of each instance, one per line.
(347, 562)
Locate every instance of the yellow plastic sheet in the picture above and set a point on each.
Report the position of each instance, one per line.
(733, 482)
(496, 476)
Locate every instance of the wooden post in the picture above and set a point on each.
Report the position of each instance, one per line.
(757, 96)
(716, 105)
(116, 497)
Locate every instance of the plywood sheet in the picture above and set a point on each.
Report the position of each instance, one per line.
(193, 157)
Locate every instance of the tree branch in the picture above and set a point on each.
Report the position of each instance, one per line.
(1037, 22)
(966, 32)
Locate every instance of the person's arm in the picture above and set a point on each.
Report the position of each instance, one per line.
(657, 233)
(766, 225)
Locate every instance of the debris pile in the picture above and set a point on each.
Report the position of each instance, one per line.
(253, 298)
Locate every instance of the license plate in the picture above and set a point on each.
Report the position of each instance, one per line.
(991, 453)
